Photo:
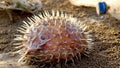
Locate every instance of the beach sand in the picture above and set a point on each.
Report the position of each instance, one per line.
(105, 30)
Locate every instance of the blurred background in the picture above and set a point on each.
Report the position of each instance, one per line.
(105, 29)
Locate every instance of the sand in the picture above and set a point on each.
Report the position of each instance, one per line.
(105, 30)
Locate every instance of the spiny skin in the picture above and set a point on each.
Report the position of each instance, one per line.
(53, 38)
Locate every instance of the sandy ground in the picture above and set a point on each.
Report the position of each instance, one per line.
(105, 29)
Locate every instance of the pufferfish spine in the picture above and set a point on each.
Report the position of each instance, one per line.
(53, 37)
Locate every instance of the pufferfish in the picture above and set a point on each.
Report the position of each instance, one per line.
(54, 37)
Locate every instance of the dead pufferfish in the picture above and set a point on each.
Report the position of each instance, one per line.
(53, 37)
